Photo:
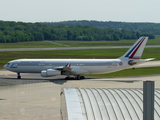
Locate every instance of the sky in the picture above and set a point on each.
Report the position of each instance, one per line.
(64, 10)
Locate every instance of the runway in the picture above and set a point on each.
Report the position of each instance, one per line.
(37, 98)
(71, 48)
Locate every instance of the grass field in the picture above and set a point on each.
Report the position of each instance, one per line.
(155, 41)
(35, 44)
(131, 72)
(45, 44)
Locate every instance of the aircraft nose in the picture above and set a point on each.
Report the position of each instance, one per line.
(5, 66)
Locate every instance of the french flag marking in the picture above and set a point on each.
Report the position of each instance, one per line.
(133, 51)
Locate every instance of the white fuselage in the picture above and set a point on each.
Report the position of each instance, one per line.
(81, 66)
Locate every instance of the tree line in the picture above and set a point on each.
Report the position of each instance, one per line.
(153, 28)
(11, 32)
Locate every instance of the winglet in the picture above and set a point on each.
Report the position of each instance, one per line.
(136, 50)
(68, 65)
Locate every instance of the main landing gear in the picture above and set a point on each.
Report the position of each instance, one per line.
(78, 77)
(18, 76)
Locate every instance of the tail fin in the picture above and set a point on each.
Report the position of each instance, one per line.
(136, 50)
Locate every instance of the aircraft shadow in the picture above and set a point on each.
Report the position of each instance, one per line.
(126, 81)
(60, 82)
(2, 99)
(15, 81)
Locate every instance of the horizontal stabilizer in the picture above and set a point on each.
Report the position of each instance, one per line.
(133, 62)
(149, 59)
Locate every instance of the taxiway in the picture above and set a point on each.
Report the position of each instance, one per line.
(72, 48)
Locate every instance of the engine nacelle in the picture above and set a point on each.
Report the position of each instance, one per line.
(50, 73)
(131, 62)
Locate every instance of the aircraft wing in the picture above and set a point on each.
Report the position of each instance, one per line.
(72, 71)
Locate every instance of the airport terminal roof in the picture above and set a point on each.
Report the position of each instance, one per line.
(105, 104)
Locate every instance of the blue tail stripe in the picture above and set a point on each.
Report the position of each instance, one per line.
(133, 48)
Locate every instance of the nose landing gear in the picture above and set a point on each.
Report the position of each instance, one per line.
(18, 76)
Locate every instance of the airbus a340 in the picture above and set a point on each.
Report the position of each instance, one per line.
(78, 67)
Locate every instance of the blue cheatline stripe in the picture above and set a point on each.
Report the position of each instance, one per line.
(133, 48)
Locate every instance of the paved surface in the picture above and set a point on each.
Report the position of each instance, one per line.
(57, 43)
(149, 64)
(37, 98)
(70, 48)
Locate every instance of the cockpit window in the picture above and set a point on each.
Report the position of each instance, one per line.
(8, 64)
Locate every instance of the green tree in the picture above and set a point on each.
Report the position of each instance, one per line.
(2, 38)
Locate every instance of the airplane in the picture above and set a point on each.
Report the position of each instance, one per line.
(79, 67)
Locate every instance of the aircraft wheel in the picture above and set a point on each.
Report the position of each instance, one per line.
(78, 77)
(71, 78)
(82, 77)
(19, 77)
(66, 78)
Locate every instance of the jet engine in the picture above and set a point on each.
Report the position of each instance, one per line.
(50, 73)
(131, 62)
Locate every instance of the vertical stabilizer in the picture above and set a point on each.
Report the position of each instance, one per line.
(136, 50)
